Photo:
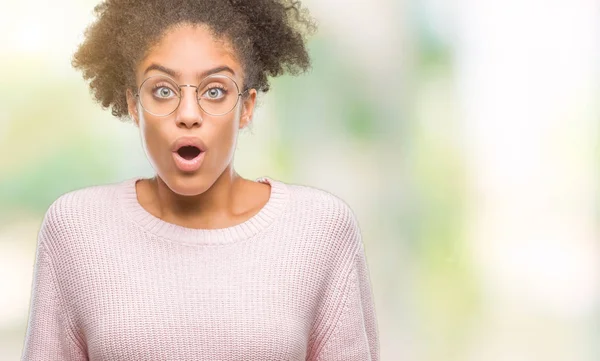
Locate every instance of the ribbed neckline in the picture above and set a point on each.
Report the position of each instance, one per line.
(271, 210)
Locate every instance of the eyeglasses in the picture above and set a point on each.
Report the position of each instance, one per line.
(217, 95)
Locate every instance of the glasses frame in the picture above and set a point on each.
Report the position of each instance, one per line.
(137, 95)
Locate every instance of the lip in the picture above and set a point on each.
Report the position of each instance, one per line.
(191, 165)
(187, 141)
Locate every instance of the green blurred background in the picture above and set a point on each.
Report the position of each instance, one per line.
(463, 134)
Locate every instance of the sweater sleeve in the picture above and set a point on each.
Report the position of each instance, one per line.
(355, 332)
(48, 335)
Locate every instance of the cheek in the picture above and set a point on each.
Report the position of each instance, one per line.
(152, 140)
(225, 138)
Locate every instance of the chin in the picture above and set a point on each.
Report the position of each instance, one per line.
(187, 184)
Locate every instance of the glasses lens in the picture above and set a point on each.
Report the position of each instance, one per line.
(218, 94)
(159, 95)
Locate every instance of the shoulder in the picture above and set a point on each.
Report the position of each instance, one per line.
(326, 213)
(76, 209)
(81, 199)
(323, 204)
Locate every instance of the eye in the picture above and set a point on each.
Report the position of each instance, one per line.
(162, 91)
(214, 93)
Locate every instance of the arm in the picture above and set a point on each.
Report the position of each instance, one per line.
(49, 334)
(355, 334)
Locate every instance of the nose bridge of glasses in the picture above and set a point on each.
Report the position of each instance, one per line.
(187, 86)
(193, 95)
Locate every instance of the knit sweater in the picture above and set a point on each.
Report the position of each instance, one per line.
(113, 282)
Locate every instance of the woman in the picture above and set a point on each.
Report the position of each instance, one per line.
(197, 263)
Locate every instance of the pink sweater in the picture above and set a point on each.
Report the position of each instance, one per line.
(113, 282)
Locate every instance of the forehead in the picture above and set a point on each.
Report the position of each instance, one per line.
(190, 50)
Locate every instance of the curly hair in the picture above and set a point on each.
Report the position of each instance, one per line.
(268, 37)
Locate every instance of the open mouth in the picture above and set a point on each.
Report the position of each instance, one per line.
(188, 152)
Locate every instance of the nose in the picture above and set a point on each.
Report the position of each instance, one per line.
(189, 113)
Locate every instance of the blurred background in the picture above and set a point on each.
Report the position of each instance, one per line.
(464, 134)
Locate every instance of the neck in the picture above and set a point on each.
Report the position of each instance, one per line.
(215, 207)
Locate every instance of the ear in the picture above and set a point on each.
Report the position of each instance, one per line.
(248, 104)
(132, 107)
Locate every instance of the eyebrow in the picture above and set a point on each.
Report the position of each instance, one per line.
(176, 74)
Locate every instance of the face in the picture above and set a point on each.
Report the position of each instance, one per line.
(187, 52)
